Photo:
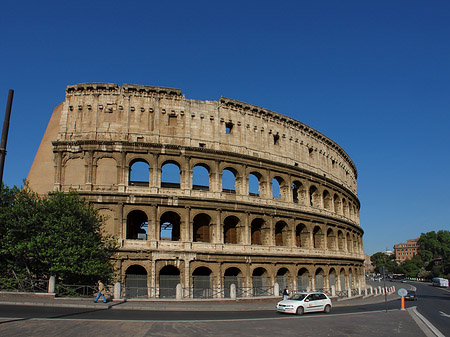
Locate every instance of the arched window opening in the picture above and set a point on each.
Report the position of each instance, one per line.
(253, 185)
(201, 280)
(200, 179)
(261, 283)
(169, 277)
(281, 233)
(229, 181)
(318, 237)
(135, 282)
(202, 228)
(337, 204)
(233, 276)
(327, 200)
(139, 173)
(313, 202)
(282, 279)
(332, 278)
(331, 239)
(137, 225)
(349, 243)
(276, 188)
(341, 241)
(342, 282)
(230, 230)
(170, 175)
(303, 280)
(319, 280)
(344, 207)
(297, 192)
(301, 236)
(170, 225)
(257, 231)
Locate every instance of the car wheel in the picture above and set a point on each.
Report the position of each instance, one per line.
(327, 309)
(300, 310)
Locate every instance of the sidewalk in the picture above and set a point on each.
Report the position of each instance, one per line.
(250, 304)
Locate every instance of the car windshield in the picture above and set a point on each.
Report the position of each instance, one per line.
(297, 297)
(411, 292)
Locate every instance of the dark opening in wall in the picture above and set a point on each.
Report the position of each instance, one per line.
(276, 138)
(228, 127)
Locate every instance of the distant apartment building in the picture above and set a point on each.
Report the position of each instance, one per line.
(405, 251)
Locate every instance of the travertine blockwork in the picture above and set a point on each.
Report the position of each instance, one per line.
(222, 231)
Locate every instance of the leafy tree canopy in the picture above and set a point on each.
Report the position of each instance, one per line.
(435, 252)
(58, 234)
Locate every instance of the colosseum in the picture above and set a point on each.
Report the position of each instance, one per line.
(208, 197)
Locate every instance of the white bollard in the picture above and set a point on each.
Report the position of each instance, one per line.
(276, 289)
(117, 290)
(179, 294)
(333, 290)
(51, 285)
(233, 291)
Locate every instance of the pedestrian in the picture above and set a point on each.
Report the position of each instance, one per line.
(285, 293)
(101, 292)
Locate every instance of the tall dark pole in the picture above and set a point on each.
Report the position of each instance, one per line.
(5, 134)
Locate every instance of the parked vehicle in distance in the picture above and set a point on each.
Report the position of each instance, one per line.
(305, 302)
(411, 296)
(440, 282)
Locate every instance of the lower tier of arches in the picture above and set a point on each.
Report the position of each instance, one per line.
(157, 275)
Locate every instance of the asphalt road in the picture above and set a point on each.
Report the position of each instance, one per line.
(434, 304)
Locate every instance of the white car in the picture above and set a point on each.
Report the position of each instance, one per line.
(305, 302)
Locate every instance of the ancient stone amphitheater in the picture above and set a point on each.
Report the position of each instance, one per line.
(206, 194)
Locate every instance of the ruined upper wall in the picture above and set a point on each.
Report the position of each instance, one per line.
(148, 114)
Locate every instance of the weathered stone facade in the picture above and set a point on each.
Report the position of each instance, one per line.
(214, 233)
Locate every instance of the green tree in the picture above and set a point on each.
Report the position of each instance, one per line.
(381, 259)
(58, 234)
(435, 252)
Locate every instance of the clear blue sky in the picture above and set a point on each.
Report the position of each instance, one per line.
(374, 76)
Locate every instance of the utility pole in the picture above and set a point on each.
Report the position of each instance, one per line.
(5, 134)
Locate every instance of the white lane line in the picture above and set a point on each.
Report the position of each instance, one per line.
(426, 322)
(198, 320)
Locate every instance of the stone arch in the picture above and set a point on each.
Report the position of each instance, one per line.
(202, 228)
(283, 276)
(169, 277)
(229, 180)
(170, 174)
(260, 282)
(72, 168)
(281, 233)
(349, 243)
(327, 202)
(298, 193)
(233, 275)
(303, 283)
(337, 204)
(301, 236)
(202, 282)
(331, 239)
(341, 241)
(257, 231)
(319, 283)
(106, 171)
(135, 281)
(318, 237)
(276, 187)
(137, 225)
(314, 196)
(201, 177)
(170, 226)
(254, 183)
(231, 230)
(139, 172)
(332, 278)
(342, 280)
